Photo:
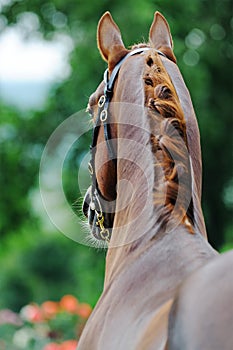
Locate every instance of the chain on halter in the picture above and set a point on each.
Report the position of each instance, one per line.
(102, 119)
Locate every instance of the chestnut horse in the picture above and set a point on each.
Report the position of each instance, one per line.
(145, 198)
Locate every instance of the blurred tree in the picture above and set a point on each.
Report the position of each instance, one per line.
(18, 160)
(201, 32)
(48, 268)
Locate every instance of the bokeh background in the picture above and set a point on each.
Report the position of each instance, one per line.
(49, 65)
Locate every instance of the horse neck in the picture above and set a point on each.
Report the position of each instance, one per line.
(147, 180)
(134, 215)
(135, 178)
(134, 218)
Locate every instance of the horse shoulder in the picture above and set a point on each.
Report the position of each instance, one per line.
(202, 314)
(154, 336)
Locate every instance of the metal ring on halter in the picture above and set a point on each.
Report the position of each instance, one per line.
(105, 235)
(102, 101)
(92, 205)
(103, 115)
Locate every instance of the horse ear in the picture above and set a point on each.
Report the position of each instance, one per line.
(160, 36)
(109, 41)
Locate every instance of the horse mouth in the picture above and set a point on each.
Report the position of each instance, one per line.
(101, 232)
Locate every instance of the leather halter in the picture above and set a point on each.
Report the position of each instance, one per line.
(102, 119)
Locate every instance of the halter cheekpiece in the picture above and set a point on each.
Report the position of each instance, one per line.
(102, 119)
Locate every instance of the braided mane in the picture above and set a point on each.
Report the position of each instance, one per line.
(173, 185)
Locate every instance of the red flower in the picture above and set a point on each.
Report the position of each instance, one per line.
(84, 310)
(50, 309)
(52, 346)
(69, 345)
(66, 345)
(69, 303)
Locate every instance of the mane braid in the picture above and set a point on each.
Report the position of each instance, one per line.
(168, 140)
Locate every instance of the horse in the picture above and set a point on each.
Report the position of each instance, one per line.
(144, 203)
(201, 316)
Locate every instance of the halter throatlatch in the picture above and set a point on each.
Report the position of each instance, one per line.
(103, 119)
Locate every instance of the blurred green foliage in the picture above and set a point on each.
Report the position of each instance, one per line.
(36, 265)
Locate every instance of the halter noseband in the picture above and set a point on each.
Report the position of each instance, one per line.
(102, 119)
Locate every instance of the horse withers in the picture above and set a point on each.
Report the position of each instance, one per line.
(144, 203)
